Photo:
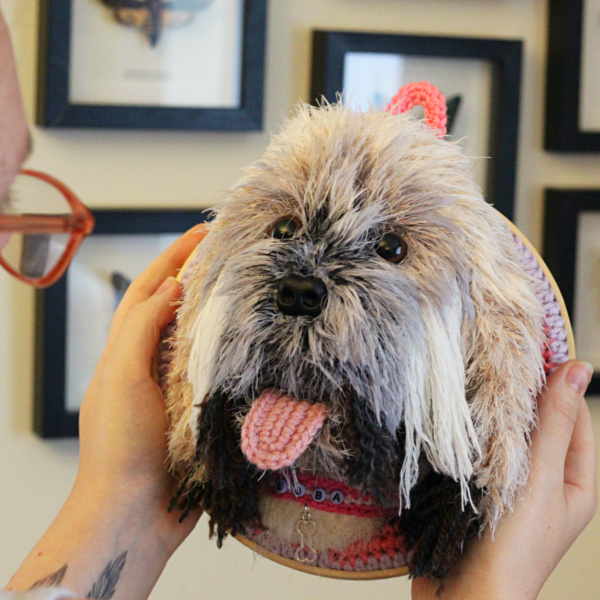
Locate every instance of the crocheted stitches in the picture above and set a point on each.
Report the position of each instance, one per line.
(557, 350)
(278, 429)
(422, 94)
(385, 548)
(355, 502)
(385, 551)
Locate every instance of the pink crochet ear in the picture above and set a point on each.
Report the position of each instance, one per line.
(426, 95)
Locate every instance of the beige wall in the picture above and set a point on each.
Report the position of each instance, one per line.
(122, 169)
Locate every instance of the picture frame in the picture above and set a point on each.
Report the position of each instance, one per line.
(500, 60)
(571, 249)
(96, 72)
(573, 77)
(73, 316)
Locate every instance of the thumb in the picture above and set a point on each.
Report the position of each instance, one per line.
(558, 407)
(423, 588)
(139, 336)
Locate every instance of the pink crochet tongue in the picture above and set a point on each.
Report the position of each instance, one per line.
(278, 429)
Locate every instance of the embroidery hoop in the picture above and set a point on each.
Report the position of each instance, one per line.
(399, 571)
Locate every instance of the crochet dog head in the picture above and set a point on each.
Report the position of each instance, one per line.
(356, 314)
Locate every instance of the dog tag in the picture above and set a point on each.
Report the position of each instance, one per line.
(306, 527)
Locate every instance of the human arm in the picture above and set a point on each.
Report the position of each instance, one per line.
(559, 501)
(116, 518)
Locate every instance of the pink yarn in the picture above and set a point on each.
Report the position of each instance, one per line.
(388, 544)
(355, 503)
(278, 429)
(385, 551)
(422, 94)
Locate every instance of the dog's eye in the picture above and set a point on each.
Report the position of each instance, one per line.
(392, 247)
(285, 228)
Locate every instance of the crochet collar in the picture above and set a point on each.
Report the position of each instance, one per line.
(328, 495)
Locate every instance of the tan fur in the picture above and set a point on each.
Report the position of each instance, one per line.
(180, 395)
(424, 186)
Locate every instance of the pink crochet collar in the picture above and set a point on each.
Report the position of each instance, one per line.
(329, 495)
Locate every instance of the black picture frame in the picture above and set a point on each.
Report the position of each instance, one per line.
(563, 80)
(330, 47)
(51, 417)
(563, 208)
(54, 108)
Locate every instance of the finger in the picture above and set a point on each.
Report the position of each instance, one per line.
(558, 407)
(580, 464)
(166, 265)
(138, 339)
(424, 588)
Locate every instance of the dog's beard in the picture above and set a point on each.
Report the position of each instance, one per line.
(229, 492)
(379, 351)
(231, 487)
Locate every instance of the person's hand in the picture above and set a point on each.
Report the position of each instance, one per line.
(123, 423)
(113, 536)
(559, 501)
(114, 531)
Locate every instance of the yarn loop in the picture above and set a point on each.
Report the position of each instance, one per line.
(422, 94)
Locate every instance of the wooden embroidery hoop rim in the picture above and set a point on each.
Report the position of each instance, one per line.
(399, 571)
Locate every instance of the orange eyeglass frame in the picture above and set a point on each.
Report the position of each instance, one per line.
(78, 224)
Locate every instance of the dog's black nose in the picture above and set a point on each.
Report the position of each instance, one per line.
(301, 296)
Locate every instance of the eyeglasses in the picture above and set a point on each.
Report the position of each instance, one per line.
(41, 228)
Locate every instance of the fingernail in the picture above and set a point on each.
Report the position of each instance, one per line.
(165, 285)
(579, 375)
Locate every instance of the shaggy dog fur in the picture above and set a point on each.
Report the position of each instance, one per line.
(437, 358)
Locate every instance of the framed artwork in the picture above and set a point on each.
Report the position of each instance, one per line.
(152, 64)
(481, 79)
(73, 316)
(572, 252)
(573, 76)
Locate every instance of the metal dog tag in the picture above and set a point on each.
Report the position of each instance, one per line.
(306, 527)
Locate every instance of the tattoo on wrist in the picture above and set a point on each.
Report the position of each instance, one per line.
(54, 579)
(105, 587)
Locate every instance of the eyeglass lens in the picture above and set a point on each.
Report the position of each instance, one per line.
(34, 253)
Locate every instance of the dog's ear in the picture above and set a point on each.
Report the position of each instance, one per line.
(504, 360)
(501, 345)
(426, 95)
(437, 418)
(178, 389)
